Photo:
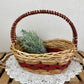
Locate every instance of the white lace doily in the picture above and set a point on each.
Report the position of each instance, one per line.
(15, 71)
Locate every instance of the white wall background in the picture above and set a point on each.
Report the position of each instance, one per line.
(47, 26)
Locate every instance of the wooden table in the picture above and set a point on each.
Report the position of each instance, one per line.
(78, 79)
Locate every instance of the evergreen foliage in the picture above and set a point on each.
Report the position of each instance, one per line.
(31, 42)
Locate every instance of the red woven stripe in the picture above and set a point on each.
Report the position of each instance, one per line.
(44, 66)
(53, 49)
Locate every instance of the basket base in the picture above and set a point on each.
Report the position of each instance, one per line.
(49, 72)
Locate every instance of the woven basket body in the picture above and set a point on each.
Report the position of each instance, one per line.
(48, 63)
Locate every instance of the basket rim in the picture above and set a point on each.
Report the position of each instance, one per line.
(64, 51)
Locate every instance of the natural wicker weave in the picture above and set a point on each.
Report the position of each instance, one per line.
(47, 63)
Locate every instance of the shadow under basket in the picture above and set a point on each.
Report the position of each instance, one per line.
(60, 52)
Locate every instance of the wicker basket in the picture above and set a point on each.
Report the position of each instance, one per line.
(48, 63)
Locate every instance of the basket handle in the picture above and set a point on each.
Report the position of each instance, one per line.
(13, 34)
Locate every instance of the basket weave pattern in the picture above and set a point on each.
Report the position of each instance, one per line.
(61, 58)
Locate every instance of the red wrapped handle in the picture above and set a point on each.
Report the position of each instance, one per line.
(13, 34)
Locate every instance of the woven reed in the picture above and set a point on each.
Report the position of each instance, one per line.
(40, 71)
(62, 57)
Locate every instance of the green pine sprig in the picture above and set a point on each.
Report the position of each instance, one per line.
(31, 42)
